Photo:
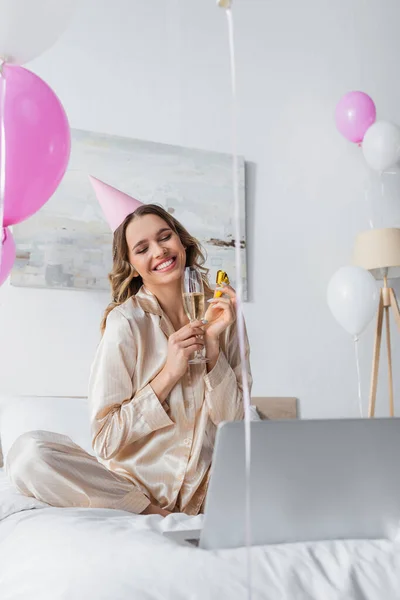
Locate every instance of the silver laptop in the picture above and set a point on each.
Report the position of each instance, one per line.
(310, 480)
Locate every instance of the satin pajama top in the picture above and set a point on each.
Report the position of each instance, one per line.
(164, 449)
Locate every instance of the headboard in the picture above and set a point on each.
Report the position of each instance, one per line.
(276, 408)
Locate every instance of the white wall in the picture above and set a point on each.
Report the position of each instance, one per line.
(159, 71)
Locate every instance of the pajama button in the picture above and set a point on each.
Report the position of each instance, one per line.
(187, 441)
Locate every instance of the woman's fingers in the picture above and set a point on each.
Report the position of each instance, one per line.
(220, 299)
(192, 332)
(220, 307)
(194, 328)
(191, 342)
(223, 303)
(195, 324)
(228, 290)
(193, 348)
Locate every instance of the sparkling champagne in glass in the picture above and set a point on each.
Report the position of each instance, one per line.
(193, 302)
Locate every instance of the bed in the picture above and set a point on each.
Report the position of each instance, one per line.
(83, 554)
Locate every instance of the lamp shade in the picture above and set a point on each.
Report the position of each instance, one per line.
(378, 251)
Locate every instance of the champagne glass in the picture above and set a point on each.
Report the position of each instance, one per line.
(193, 303)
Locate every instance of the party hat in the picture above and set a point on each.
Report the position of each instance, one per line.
(116, 205)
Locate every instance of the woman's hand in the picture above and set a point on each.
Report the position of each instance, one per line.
(181, 346)
(221, 313)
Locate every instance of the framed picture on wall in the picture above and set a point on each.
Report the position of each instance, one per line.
(67, 244)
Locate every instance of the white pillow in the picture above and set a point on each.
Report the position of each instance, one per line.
(12, 502)
(69, 416)
(254, 415)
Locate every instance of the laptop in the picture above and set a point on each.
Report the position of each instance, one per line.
(310, 480)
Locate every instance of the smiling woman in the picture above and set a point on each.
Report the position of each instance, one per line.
(153, 414)
(146, 240)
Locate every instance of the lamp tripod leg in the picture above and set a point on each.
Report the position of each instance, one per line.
(395, 307)
(375, 360)
(389, 355)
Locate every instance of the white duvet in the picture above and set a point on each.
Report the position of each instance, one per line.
(83, 554)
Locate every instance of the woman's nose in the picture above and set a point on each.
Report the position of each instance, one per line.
(158, 251)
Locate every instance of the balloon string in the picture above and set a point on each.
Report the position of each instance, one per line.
(239, 295)
(382, 204)
(358, 376)
(369, 199)
(2, 153)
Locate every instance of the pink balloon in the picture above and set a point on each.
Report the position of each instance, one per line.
(354, 114)
(7, 256)
(38, 143)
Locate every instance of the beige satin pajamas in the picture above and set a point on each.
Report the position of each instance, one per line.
(146, 451)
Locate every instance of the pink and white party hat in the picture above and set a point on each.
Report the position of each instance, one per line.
(116, 205)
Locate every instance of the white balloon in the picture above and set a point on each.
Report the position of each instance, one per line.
(29, 27)
(353, 297)
(381, 145)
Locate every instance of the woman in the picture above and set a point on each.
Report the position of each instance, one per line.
(153, 415)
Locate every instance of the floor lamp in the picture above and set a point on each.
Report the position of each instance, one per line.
(378, 251)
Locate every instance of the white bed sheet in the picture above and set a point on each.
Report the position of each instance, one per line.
(74, 554)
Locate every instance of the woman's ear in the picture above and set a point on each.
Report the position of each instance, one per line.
(133, 270)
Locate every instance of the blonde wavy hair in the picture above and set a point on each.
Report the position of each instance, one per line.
(122, 278)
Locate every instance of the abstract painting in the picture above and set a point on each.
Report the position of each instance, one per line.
(67, 244)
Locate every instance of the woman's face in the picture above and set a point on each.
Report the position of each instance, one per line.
(155, 250)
